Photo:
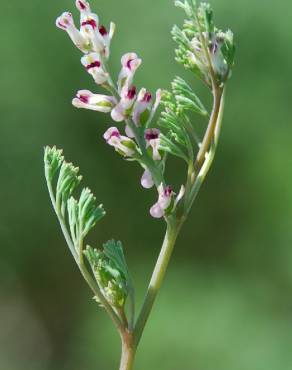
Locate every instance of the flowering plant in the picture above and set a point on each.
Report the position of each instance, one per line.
(208, 53)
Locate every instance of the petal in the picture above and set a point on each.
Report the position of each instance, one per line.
(129, 132)
(82, 6)
(156, 211)
(157, 101)
(112, 131)
(117, 113)
(127, 58)
(147, 180)
(112, 30)
(141, 105)
(180, 195)
(164, 202)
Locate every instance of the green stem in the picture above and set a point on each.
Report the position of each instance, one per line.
(211, 127)
(172, 231)
(210, 155)
(132, 308)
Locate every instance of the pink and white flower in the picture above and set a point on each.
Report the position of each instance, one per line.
(152, 137)
(124, 108)
(89, 23)
(107, 37)
(97, 102)
(93, 65)
(141, 106)
(122, 144)
(165, 197)
(66, 22)
(92, 37)
(130, 63)
(166, 201)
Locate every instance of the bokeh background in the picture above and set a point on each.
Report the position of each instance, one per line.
(226, 303)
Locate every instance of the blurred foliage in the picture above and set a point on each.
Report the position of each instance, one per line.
(226, 303)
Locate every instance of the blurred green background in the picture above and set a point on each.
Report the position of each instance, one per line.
(227, 300)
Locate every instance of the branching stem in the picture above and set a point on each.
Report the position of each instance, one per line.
(80, 263)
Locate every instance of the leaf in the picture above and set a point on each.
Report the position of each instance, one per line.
(53, 160)
(186, 98)
(167, 145)
(114, 251)
(83, 214)
(110, 271)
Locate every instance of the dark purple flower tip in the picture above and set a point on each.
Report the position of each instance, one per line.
(82, 5)
(83, 98)
(90, 22)
(168, 191)
(129, 63)
(62, 25)
(95, 64)
(147, 97)
(131, 93)
(152, 134)
(102, 30)
(115, 134)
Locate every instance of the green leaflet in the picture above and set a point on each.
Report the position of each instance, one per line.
(111, 271)
(186, 98)
(114, 251)
(82, 214)
(180, 133)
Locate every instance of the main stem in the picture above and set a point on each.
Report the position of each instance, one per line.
(172, 231)
(128, 351)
